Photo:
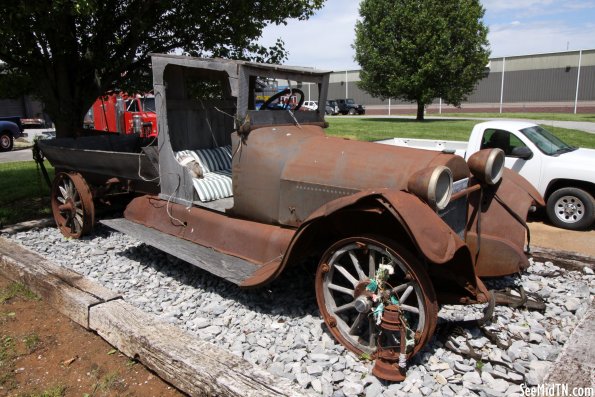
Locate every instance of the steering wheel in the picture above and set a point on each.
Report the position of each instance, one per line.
(286, 105)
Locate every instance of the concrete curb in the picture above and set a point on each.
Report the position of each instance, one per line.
(575, 365)
(192, 365)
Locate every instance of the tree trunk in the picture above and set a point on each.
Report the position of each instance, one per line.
(68, 127)
(420, 111)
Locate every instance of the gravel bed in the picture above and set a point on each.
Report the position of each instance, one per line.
(278, 327)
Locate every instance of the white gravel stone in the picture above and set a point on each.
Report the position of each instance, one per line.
(352, 389)
(279, 329)
(472, 377)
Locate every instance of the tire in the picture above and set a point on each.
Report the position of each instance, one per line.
(345, 302)
(352, 111)
(6, 142)
(571, 208)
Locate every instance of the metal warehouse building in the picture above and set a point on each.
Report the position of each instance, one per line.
(553, 82)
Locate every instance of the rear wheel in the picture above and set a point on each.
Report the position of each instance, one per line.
(72, 204)
(571, 208)
(6, 142)
(352, 111)
(347, 298)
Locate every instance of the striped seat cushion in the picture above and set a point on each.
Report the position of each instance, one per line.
(216, 169)
(210, 160)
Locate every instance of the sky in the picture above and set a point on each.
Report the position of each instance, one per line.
(516, 27)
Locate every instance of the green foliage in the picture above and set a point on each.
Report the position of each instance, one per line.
(76, 50)
(418, 50)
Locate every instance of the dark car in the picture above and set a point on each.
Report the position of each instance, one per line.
(10, 129)
(348, 106)
(331, 108)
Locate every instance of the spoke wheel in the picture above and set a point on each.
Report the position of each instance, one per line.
(346, 304)
(72, 204)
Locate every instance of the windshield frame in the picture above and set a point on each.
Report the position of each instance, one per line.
(545, 141)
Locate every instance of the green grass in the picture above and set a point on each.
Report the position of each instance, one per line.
(14, 290)
(55, 391)
(371, 129)
(531, 116)
(25, 195)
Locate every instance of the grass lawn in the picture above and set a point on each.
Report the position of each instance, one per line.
(371, 129)
(25, 195)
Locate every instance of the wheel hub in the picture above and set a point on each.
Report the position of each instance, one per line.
(569, 209)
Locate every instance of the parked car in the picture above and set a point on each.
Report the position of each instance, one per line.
(564, 175)
(388, 233)
(331, 107)
(348, 106)
(310, 105)
(10, 129)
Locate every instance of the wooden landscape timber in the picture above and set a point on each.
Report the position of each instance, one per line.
(194, 366)
(67, 291)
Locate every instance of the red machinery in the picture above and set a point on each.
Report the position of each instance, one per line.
(124, 114)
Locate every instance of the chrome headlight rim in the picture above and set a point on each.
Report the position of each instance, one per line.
(440, 187)
(494, 166)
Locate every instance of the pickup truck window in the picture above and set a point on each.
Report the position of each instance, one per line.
(500, 139)
(131, 105)
(148, 104)
(547, 142)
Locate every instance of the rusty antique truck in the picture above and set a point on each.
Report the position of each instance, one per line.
(245, 193)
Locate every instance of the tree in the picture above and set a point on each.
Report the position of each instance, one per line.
(76, 50)
(418, 50)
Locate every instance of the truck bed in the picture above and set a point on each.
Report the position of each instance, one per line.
(121, 156)
(456, 147)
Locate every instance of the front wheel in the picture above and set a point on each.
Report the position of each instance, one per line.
(356, 276)
(571, 208)
(352, 111)
(6, 142)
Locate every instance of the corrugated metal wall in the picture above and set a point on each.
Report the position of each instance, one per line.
(12, 107)
(530, 78)
(24, 106)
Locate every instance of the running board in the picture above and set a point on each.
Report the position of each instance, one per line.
(231, 268)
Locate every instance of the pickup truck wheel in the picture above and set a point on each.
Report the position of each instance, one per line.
(6, 142)
(72, 204)
(571, 208)
(351, 275)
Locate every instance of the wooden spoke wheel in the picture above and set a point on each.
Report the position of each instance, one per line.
(72, 204)
(347, 304)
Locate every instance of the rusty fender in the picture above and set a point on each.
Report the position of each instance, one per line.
(497, 214)
(454, 274)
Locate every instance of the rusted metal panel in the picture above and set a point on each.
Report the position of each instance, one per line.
(499, 249)
(255, 242)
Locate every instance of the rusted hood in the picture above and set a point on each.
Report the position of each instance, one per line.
(285, 173)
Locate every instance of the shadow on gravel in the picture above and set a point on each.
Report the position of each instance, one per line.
(291, 295)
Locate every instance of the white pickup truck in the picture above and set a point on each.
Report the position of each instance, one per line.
(563, 174)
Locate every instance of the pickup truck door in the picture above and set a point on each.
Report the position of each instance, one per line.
(516, 147)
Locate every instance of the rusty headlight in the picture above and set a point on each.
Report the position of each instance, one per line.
(487, 165)
(433, 185)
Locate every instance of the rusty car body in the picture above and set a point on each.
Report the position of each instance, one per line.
(395, 231)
